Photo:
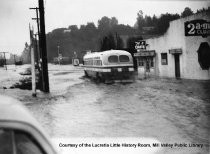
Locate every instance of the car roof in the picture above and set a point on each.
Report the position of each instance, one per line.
(14, 115)
(12, 110)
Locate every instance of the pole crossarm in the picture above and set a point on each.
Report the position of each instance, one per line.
(33, 8)
(35, 18)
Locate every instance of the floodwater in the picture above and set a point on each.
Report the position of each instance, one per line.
(168, 110)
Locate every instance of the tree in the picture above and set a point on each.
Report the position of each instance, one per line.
(111, 42)
(131, 42)
(203, 10)
(140, 20)
(1, 60)
(87, 37)
(187, 12)
(106, 23)
(26, 54)
(90, 26)
(113, 22)
(108, 43)
(73, 27)
(148, 21)
(119, 42)
(163, 22)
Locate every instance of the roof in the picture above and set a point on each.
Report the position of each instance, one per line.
(107, 53)
(13, 110)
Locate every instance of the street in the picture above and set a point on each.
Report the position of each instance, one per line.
(168, 110)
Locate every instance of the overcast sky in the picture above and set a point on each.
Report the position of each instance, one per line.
(15, 15)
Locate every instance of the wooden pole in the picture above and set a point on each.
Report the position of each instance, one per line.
(43, 48)
(33, 71)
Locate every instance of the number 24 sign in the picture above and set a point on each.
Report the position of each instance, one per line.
(197, 28)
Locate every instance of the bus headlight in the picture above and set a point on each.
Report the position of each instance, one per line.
(131, 69)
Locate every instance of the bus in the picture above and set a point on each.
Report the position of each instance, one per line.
(111, 65)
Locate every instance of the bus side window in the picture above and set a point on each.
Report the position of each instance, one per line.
(98, 62)
(113, 59)
(124, 58)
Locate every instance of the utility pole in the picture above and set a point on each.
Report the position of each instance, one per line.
(33, 71)
(38, 48)
(45, 79)
(38, 28)
(59, 55)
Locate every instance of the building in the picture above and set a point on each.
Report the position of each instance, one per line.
(182, 52)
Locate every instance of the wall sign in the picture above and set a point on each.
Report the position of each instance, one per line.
(146, 53)
(140, 45)
(197, 28)
(175, 51)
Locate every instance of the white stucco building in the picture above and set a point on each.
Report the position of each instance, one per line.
(180, 56)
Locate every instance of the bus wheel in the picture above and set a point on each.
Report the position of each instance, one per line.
(86, 74)
(99, 77)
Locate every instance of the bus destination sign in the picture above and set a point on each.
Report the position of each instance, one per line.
(197, 28)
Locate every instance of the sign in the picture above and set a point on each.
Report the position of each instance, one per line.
(175, 51)
(140, 45)
(197, 28)
(145, 53)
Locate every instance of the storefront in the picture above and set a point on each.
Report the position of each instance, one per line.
(146, 61)
(182, 52)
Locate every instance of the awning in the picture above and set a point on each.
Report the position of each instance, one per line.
(175, 51)
(145, 53)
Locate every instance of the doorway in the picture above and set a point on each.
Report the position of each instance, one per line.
(177, 66)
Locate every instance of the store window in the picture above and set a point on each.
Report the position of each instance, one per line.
(164, 59)
(140, 61)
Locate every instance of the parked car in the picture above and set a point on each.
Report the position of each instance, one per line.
(20, 133)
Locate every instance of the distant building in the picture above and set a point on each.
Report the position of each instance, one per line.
(62, 60)
(182, 52)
